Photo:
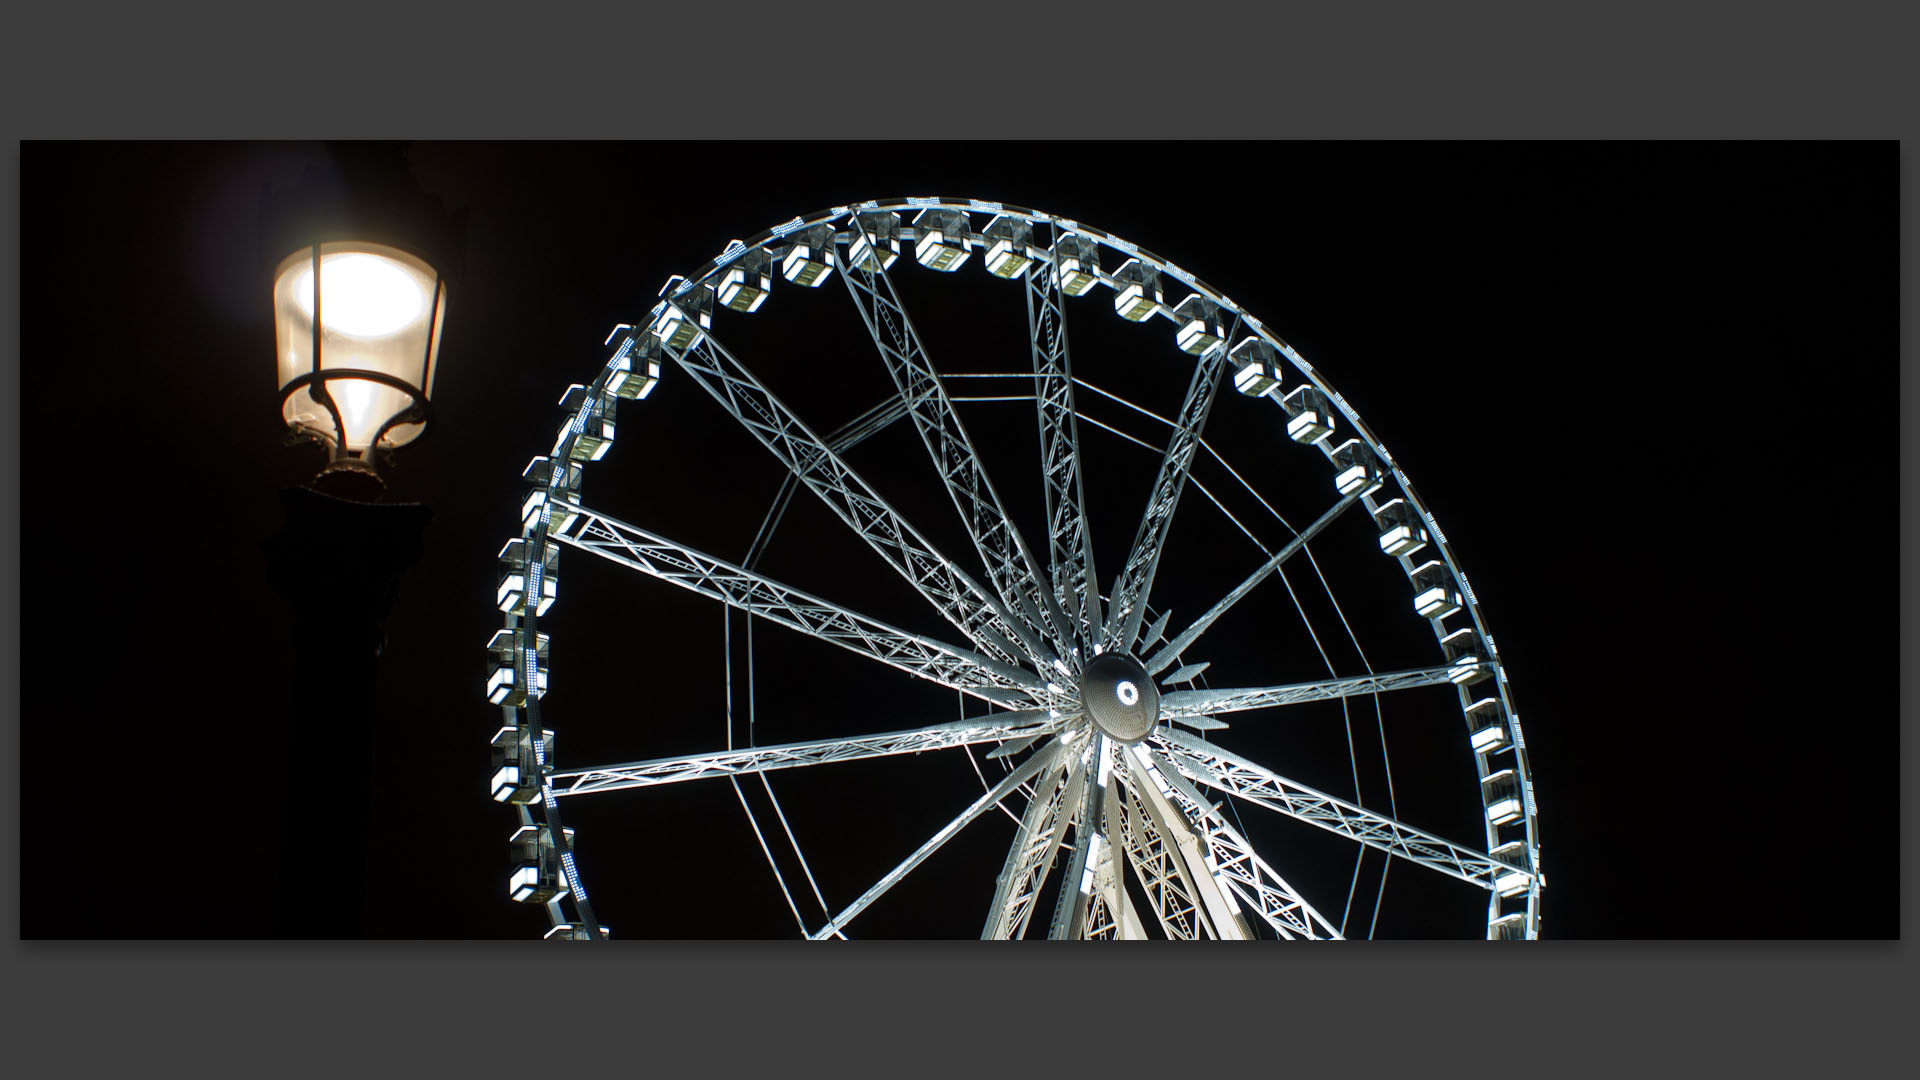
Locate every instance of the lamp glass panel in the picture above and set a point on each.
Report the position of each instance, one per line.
(380, 310)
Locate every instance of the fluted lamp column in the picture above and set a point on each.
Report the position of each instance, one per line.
(360, 259)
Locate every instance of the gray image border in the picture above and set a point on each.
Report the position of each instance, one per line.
(1715, 71)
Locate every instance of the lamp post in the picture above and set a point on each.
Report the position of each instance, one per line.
(361, 262)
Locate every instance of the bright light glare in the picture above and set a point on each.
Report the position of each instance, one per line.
(503, 781)
(510, 590)
(1129, 694)
(1397, 540)
(524, 882)
(1232, 904)
(1352, 480)
(361, 409)
(367, 295)
(1308, 427)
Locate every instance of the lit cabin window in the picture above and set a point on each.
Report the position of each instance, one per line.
(514, 577)
(1486, 726)
(1466, 658)
(1501, 794)
(1076, 260)
(535, 877)
(1310, 416)
(635, 367)
(1199, 321)
(1136, 291)
(539, 473)
(530, 511)
(1510, 883)
(595, 436)
(506, 677)
(1435, 596)
(745, 282)
(1401, 530)
(943, 239)
(1356, 470)
(684, 318)
(1009, 243)
(517, 772)
(874, 241)
(1256, 367)
(809, 261)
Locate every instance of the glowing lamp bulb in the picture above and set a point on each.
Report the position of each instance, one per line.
(367, 295)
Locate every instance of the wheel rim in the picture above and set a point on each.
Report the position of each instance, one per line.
(1016, 622)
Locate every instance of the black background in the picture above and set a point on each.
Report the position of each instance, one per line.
(1647, 389)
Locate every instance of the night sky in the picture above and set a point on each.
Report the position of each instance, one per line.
(1647, 390)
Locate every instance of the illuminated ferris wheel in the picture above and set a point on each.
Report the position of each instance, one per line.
(1132, 717)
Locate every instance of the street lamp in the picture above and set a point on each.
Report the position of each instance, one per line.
(360, 262)
(361, 265)
(358, 326)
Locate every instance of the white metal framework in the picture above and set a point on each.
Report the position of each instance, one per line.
(1117, 834)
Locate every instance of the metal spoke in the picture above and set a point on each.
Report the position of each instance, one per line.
(1004, 788)
(1169, 844)
(1100, 909)
(1161, 874)
(1070, 544)
(844, 438)
(958, 598)
(1010, 565)
(1234, 860)
(1031, 854)
(1135, 582)
(1084, 907)
(1225, 771)
(1080, 814)
(1182, 704)
(916, 654)
(765, 759)
(1182, 641)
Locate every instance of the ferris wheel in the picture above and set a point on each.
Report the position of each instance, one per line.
(1135, 720)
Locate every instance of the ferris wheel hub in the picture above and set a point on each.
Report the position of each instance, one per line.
(1120, 698)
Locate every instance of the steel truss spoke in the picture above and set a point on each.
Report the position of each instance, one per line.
(764, 759)
(1091, 903)
(1031, 855)
(916, 654)
(1069, 543)
(1225, 771)
(1186, 704)
(1235, 862)
(1034, 765)
(1164, 658)
(1131, 588)
(846, 437)
(958, 598)
(1161, 872)
(1010, 565)
(1072, 900)
(1192, 899)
